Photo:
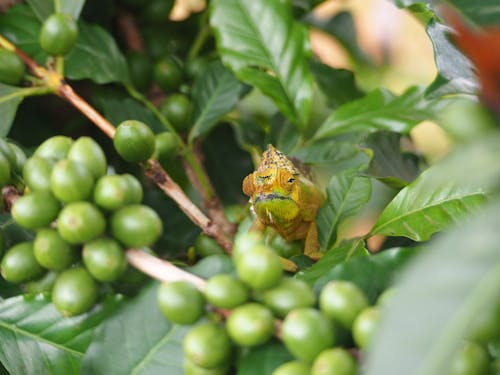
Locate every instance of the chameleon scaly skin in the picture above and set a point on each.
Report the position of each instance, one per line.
(284, 199)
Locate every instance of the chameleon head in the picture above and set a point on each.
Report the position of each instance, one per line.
(274, 188)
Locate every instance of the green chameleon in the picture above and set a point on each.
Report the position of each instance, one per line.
(285, 199)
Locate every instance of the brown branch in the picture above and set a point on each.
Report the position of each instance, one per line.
(211, 203)
(161, 269)
(155, 172)
(67, 93)
(128, 29)
(166, 272)
(9, 196)
(153, 169)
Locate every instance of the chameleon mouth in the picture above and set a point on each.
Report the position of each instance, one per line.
(269, 197)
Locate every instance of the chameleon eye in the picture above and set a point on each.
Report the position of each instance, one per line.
(291, 180)
(263, 179)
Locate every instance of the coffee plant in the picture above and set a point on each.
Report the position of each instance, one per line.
(129, 131)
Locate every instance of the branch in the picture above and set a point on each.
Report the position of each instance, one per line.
(9, 196)
(153, 170)
(167, 272)
(210, 200)
(67, 93)
(161, 269)
(126, 25)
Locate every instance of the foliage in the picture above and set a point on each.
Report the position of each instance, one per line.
(259, 82)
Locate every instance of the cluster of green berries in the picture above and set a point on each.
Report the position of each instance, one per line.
(476, 354)
(168, 73)
(259, 301)
(12, 159)
(58, 36)
(135, 142)
(83, 219)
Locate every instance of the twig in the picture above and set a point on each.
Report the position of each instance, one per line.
(128, 28)
(161, 269)
(165, 271)
(9, 196)
(155, 172)
(210, 200)
(66, 92)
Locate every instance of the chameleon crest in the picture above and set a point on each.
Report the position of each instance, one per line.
(284, 199)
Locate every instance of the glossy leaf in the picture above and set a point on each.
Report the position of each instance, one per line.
(482, 13)
(44, 8)
(227, 164)
(373, 274)
(328, 157)
(428, 205)
(390, 164)
(32, 331)
(379, 110)
(215, 93)
(96, 56)
(438, 297)
(263, 45)
(136, 340)
(455, 72)
(338, 85)
(118, 107)
(10, 98)
(212, 265)
(21, 26)
(336, 255)
(346, 194)
(263, 359)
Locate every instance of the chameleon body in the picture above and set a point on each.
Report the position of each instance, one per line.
(283, 198)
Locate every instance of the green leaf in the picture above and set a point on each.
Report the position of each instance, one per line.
(96, 56)
(212, 265)
(32, 332)
(428, 205)
(263, 359)
(44, 8)
(262, 44)
(215, 93)
(483, 13)
(341, 26)
(373, 274)
(379, 110)
(346, 194)
(438, 297)
(226, 164)
(337, 255)
(10, 98)
(389, 164)
(328, 156)
(455, 72)
(338, 85)
(22, 27)
(117, 106)
(138, 339)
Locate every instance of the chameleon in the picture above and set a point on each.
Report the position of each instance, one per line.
(283, 197)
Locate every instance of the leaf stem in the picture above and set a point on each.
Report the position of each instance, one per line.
(57, 6)
(201, 38)
(59, 61)
(198, 177)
